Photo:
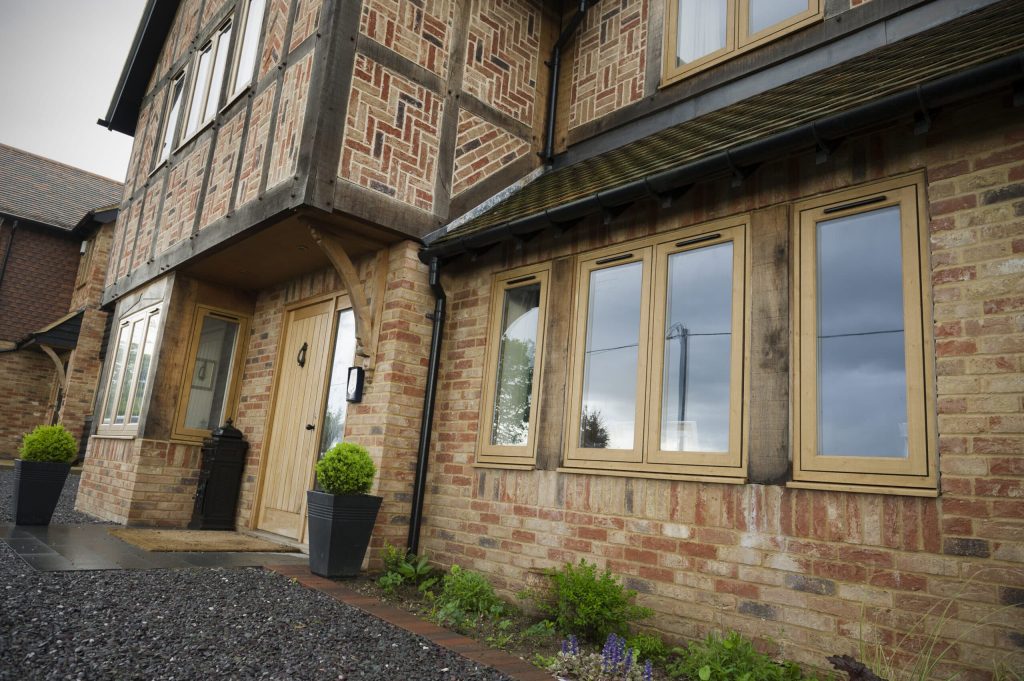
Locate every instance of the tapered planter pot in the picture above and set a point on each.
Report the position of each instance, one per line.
(37, 487)
(340, 526)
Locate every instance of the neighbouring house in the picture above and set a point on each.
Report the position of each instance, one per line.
(727, 296)
(55, 228)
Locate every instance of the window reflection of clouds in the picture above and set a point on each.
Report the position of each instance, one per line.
(765, 13)
(333, 428)
(610, 365)
(862, 398)
(697, 350)
(514, 385)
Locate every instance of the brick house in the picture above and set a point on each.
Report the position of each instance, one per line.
(727, 300)
(55, 226)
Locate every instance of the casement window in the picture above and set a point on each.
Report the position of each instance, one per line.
(210, 381)
(176, 90)
(700, 33)
(208, 79)
(508, 433)
(657, 369)
(126, 386)
(863, 380)
(245, 63)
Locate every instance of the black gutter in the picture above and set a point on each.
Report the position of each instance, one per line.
(423, 453)
(554, 64)
(948, 89)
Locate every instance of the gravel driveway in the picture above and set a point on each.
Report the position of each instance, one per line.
(242, 623)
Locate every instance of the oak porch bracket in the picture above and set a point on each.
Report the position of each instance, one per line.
(334, 248)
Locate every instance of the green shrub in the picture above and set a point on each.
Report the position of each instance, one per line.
(648, 647)
(731, 658)
(590, 604)
(346, 469)
(466, 597)
(392, 557)
(52, 444)
(389, 582)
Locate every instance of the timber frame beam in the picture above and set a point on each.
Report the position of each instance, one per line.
(334, 248)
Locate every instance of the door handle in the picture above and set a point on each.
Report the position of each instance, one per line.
(310, 426)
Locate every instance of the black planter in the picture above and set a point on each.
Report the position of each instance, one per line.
(37, 487)
(340, 526)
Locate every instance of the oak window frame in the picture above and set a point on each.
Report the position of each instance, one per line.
(203, 312)
(118, 379)
(737, 40)
(646, 459)
(917, 473)
(512, 456)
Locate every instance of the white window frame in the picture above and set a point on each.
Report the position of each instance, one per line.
(149, 322)
(245, 49)
(204, 88)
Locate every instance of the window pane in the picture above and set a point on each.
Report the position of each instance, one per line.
(115, 373)
(195, 109)
(124, 390)
(516, 356)
(144, 364)
(250, 42)
(608, 416)
(219, 63)
(701, 28)
(333, 429)
(765, 13)
(862, 393)
(211, 376)
(698, 336)
(172, 119)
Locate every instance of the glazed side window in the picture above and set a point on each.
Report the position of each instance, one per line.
(125, 392)
(701, 33)
(177, 87)
(657, 368)
(211, 372)
(208, 79)
(863, 376)
(249, 40)
(510, 405)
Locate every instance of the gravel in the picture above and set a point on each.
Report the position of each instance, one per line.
(65, 513)
(231, 623)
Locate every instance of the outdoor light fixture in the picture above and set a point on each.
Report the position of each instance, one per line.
(354, 389)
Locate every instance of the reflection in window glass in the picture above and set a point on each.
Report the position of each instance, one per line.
(608, 417)
(195, 108)
(217, 79)
(124, 390)
(115, 372)
(144, 363)
(765, 13)
(702, 26)
(862, 393)
(333, 429)
(516, 356)
(171, 124)
(698, 325)
(211, 375)
(250, 41)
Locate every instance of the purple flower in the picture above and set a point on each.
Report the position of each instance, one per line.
(648, 671)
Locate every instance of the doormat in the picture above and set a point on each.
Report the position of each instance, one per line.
(196, 540)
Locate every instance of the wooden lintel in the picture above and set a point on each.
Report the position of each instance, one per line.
(61, 377)
(334, 249)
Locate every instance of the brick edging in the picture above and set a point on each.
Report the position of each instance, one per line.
(461, 645)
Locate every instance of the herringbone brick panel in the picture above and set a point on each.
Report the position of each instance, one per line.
(501, 55)
(391, 135)
(420, 31)
(482, 149)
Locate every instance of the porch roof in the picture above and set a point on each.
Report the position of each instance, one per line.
(60, 335)
(913, 75)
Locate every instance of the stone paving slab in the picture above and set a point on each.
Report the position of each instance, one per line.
(463, 645)
(59, 548)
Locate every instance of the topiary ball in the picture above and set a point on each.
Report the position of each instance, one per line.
(52, 444)
(346, 469)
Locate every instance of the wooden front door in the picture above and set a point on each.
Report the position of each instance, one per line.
(295, 425)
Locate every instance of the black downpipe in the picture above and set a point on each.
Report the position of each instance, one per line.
(420, 484)
(555, 65)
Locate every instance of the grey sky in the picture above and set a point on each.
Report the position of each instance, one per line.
(61, 61)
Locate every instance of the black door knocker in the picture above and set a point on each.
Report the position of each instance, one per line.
(301, 359)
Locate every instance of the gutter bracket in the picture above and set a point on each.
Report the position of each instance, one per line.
(738, 174)
(923, 118)
(1018, 94)
(825, 148)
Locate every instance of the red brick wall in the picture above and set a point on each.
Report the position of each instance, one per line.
(38, 281)
(806, 573)
(26, 379)
(421, 32)
(482, 149)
